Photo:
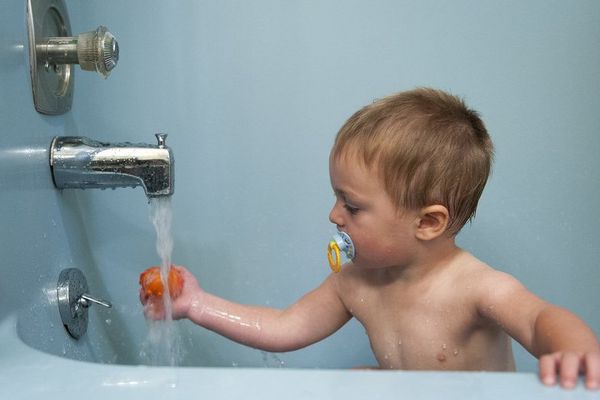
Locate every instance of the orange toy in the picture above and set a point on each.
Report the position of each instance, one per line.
(152, 284)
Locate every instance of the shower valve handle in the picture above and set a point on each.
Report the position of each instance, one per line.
(96, 50)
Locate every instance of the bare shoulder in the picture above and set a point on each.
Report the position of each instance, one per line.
(486, 278)
(497, 292)
(484, 284)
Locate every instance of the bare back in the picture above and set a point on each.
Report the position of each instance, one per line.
(431, 323)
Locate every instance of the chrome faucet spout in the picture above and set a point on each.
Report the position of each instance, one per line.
(82, 163)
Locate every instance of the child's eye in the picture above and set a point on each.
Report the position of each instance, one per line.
(351, 210)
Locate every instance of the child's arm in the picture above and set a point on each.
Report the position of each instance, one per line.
(564, 344)
(315, 316)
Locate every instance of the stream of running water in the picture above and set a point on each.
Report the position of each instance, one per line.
(163, 343)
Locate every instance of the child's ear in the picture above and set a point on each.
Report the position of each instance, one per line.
(433, 222)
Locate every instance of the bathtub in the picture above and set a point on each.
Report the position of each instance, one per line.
(29, 373)
(107, 234)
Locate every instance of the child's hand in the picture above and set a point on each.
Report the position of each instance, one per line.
(566, 366)
(191, 292)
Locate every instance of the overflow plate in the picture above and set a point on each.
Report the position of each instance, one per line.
(69, 289)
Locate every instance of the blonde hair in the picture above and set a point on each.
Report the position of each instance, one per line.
(427, 146)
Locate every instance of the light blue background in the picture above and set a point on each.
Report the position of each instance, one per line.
(252, 94)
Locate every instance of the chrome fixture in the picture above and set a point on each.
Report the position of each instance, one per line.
(93, 51)
(74, 301)
(81, 163)
(53, 51)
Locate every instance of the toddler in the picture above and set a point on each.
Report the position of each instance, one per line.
(407, 172)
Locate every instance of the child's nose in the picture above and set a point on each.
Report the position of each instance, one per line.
(334, 216)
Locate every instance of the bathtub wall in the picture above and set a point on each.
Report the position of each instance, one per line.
(41, 229)
(252, 94)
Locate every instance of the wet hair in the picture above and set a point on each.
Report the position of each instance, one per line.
(428, 148)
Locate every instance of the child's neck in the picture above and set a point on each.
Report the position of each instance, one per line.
(432, 257)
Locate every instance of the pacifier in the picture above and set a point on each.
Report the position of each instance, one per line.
(340, 243)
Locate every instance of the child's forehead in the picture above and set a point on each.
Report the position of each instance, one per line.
(354, 167)
(353, 157)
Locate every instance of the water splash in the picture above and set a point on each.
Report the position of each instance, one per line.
(271, 360)
(163, 344)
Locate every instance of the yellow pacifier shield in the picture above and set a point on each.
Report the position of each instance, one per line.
(333, 256)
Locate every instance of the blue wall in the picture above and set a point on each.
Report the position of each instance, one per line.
(41, 229)
(252, 94)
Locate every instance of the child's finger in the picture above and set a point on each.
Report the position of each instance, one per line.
(569, 369)
(143, 296)
(154, 310)
(548, 367)
(592, 373)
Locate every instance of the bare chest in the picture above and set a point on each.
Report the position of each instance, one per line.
(435, 331)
